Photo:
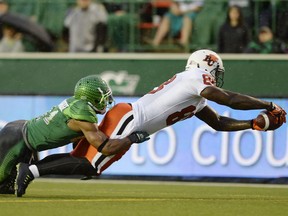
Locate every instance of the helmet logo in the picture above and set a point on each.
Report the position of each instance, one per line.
(210, 59)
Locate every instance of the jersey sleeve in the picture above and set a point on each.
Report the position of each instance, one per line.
(80, 110)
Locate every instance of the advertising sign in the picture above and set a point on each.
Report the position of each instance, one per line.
(188, 149)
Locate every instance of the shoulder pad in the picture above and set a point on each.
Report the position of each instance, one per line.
(80, 110)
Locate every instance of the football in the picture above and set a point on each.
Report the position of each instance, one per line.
(267, 121)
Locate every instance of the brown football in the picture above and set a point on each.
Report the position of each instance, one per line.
(267, 121)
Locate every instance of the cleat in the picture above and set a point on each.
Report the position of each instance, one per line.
(24, 177)
(7, 186)
(85, 178)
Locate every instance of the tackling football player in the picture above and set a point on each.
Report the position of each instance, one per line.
(183, 96)
(73, 118)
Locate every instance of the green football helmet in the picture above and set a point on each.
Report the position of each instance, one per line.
(96, 91)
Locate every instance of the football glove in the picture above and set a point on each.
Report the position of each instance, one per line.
(139, 137)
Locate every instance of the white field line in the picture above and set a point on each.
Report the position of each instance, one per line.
(151, 182)
(40, 200)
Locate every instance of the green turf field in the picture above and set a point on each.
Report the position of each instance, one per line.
(98, 197)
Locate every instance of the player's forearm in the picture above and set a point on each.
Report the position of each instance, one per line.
(111, 147)
(114, 146)
(230, 124)
(245, 102)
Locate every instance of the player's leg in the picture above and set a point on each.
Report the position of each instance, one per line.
(12, 150)
(58, 164)
(7, 186)
(64, 164)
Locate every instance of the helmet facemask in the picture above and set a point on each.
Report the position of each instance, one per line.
(218, 75)
(101, 103)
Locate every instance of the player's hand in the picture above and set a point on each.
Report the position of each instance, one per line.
(255, 126)
(139, 137)
(279, 112)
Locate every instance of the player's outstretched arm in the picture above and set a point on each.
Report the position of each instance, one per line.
(263, 122)
(234, 100)
(114, 146)
(101, 142)
(222, 123)
(242, 102)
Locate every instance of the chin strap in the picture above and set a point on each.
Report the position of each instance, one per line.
(95, 109)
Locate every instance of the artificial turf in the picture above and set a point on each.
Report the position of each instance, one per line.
(46, 197)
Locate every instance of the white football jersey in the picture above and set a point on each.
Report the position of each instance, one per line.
(175, 100)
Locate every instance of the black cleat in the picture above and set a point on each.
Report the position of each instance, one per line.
(86, 178)
(7, 186)
(24, 177)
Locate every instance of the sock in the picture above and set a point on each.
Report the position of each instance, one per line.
(34, 170)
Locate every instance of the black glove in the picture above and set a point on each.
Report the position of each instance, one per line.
(138, 137)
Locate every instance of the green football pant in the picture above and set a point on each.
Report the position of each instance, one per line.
(12, 148)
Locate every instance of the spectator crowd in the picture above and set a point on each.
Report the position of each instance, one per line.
(226, 26)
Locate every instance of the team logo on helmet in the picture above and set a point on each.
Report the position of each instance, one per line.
(210, 59)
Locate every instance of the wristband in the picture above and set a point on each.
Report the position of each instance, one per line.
(102, 145)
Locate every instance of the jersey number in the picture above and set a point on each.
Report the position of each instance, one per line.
(162, 85)
(181, 115)
(184, 113)
(208, 80)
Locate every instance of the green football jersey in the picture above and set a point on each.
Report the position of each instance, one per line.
(51, 131)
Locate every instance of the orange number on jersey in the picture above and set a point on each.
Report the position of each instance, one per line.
(208, 80)
(162, 85)
(182, 115)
